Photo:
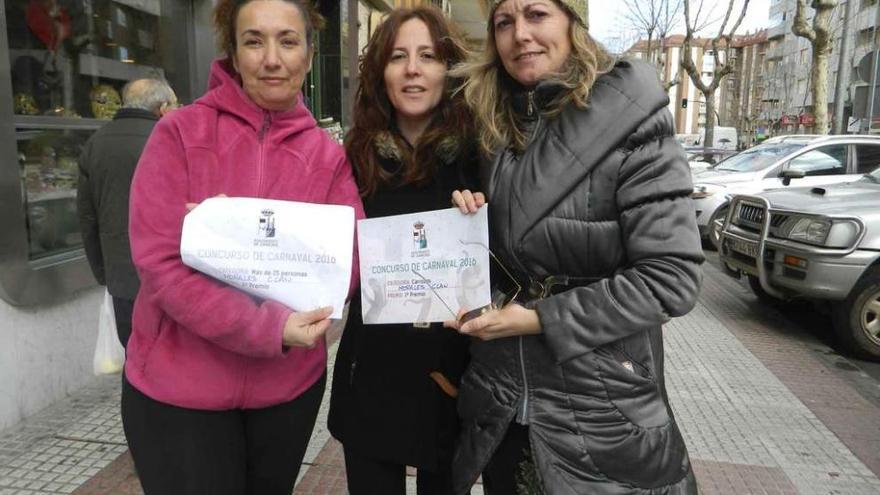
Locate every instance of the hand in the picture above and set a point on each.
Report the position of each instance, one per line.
(510, 321)
(468, 202)
(192, 206)
(306, 328)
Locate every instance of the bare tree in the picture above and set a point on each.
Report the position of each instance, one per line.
(722, 66)
(654, 19)
(820, 37)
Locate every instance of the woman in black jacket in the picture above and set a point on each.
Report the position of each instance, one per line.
(394, 386)
(591, 213)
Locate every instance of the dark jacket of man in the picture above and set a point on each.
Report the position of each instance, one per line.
(602, 195)
(106, 167)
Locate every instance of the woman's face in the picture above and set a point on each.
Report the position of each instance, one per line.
(414, 76)
(532, 38)
(272, 54)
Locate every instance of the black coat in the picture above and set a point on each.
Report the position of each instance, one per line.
(383, 403)
(106, 167)
(600, 194)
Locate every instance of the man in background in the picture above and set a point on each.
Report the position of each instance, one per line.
(106, 167)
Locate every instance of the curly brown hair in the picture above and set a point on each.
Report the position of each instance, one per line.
(373, 113)
(226, 13)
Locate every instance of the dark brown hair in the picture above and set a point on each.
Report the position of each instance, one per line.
(226, 13)
(374, 114)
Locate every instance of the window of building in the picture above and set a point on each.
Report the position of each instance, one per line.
(69, 61)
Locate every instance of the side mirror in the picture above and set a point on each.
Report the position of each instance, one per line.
(787, 175)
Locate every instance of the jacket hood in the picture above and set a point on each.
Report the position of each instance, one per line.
(226, 95)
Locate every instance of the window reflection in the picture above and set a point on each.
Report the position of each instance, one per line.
(69, 60)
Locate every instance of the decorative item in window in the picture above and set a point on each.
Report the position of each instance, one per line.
(61, 111)
(25, 104)
(105, 101)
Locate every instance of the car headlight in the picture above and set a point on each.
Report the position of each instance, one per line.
(820, 231)
(705, 190)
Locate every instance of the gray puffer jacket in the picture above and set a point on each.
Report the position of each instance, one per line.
(600, 196)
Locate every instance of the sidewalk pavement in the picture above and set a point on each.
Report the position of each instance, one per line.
(762, 413)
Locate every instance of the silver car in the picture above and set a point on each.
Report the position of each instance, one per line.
(819, 243)
(800, 160)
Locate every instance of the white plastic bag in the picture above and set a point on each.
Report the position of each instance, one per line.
(109, 353)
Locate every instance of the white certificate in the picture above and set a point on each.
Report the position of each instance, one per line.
(423, 267)
(298, 254)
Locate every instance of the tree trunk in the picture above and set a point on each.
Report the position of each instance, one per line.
(709, 139)
(819, 70)
(819, 79)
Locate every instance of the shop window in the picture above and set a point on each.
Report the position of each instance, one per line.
(69, 60)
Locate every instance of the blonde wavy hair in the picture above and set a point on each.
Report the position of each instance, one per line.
(489, 97)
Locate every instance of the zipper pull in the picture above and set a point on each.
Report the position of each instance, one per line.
(531, 98)
(265, 128)
(351, 372)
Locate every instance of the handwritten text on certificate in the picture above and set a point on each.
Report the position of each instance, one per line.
(423, 267)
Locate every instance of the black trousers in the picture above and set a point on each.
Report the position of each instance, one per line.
(242, 451)
(368, 476)
(122, 309)
(511, 462)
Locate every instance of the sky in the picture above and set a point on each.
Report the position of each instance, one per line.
(609, 25)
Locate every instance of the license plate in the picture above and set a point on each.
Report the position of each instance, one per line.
(743, 247)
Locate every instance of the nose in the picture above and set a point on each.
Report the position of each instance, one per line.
(521, 31)
(412, 66)
(271, 59)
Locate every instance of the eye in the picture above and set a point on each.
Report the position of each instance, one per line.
(252, 42)
(397, 56)
(501, 24)
(429, 56)
(289, 42)
(536, 15)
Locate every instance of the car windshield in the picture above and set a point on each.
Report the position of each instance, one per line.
(757, 158)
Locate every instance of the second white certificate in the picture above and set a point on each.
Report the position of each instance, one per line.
(423, 267)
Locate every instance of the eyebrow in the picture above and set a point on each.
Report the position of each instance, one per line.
(260, 33)
(418, 48)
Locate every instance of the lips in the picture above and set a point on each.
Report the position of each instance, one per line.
(413, 89)
(527, 55)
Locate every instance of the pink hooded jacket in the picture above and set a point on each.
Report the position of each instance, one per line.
(196, 342)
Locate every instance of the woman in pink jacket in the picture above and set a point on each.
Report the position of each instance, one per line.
(221, 390)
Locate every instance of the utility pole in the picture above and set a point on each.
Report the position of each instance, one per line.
(844, 66)
(873, 73)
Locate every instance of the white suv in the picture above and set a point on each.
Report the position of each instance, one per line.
(800, 160)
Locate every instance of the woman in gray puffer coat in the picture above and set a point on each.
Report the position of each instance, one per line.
(590, 212)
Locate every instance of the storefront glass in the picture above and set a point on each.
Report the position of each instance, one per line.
(69, 60)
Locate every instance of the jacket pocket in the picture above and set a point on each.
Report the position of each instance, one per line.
(631, 387)
(631, 438)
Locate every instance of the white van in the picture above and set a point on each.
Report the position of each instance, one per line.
(725, 138)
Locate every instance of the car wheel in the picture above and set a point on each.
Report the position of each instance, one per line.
(857, 318)
(713, 229)
(761, 294)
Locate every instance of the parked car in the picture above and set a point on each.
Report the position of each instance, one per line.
(701, 159)
(800, 160)
(819, 243)
(722, 137)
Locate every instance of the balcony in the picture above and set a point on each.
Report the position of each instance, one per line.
(777, 31)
